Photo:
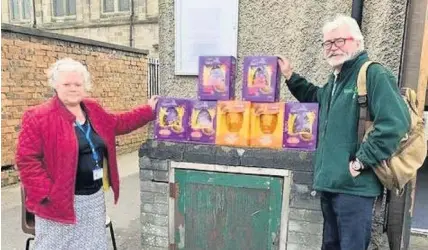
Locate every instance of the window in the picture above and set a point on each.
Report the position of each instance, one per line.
(116, 6)
(20, 10)
(63, 8)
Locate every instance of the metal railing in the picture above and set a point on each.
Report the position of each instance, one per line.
(153, 77)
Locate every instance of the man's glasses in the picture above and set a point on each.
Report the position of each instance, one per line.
(339, 42)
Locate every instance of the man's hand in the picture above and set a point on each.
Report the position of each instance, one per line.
(285, 66)
(153, 101)
(355, 168)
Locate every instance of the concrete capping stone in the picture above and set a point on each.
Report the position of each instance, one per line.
(123, 20)
(162, 150)
(295, 160)
(40, 33)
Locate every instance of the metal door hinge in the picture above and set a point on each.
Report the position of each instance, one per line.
(173, 190)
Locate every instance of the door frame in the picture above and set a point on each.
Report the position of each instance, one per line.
(286, 175)
(413, 74)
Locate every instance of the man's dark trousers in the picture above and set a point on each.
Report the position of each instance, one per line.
(347, 221)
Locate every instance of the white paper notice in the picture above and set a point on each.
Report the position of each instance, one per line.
(204, 27)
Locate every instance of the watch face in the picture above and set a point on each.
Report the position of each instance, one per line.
(356, 166)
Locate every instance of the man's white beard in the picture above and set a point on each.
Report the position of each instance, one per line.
(334, 63)
(346, 58)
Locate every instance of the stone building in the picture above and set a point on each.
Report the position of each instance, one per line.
(131, 23)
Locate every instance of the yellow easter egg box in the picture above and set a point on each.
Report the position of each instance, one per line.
(267, 124)
(233, 123)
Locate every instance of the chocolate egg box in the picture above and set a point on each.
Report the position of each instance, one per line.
(172, 119)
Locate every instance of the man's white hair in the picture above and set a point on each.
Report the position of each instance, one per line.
(342, 20)
(68, 65)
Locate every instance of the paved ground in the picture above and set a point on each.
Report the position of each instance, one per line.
(421, 204)
(419, 242)
(125, 215)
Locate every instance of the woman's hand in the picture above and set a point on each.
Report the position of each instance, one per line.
(153, 101)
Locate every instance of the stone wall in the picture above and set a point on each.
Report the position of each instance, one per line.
(293, 29)
(305, 217)
(119, 76)
(305, 220)
(90, 22)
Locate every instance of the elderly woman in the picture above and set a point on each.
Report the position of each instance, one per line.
(66, 157)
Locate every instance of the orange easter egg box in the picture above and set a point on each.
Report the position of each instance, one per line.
(233, 123)
(267, 124)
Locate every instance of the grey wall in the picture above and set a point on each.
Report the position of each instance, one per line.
(305, 220)
(290, 28)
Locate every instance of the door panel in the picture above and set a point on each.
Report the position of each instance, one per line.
(227, 211)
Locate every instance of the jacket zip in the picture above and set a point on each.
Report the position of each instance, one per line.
(326, 121)
(75, 170)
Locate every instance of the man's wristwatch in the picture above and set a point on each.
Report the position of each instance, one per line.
(357, 165)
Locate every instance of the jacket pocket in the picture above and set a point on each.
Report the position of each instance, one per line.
(352, 178)
(340, 176)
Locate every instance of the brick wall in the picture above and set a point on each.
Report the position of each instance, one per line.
(119, 76)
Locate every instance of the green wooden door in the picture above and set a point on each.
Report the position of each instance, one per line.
(227, 211)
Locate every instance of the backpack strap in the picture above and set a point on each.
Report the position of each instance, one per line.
(364, 117)
(362, 100)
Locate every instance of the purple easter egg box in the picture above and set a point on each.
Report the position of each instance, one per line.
(261, 79)
(216, 78)
(172, 119)
(202, 121)
(300, 125)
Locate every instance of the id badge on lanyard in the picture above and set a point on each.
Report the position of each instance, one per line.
(97, 172)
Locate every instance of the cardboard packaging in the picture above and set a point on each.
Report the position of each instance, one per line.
(203, 121)
(261, 79)
(172, 119)
(233, 123)
(267, 124)
(300, 126)
(216, 78)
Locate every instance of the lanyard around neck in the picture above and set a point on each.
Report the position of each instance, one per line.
(87, 133)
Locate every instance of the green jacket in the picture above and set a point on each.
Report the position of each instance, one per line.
(338, 120)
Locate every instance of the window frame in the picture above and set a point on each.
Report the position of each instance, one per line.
(116, 10)
(20, 18)
(65, 16)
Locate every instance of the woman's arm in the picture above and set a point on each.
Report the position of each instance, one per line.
(29, 160)
(126, 122)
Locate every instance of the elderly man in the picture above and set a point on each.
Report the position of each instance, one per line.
(343, 168)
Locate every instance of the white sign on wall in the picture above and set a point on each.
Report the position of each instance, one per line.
(204, 27)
